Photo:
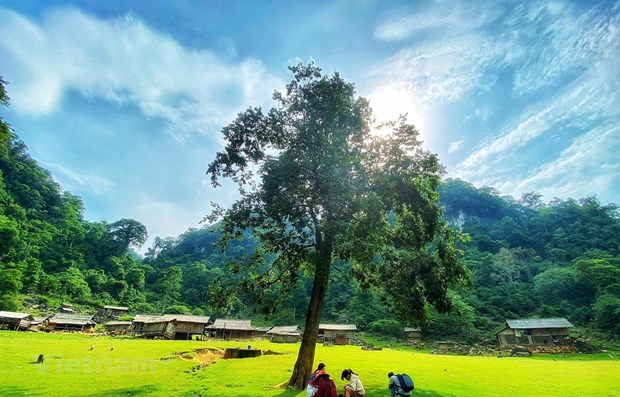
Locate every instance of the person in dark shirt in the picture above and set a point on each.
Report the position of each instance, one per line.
(325, 386)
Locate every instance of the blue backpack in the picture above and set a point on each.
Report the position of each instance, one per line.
(406, 383)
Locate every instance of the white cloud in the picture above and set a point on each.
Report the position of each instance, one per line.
(446, 16)
(561, 43)
(455, 146)
(438, 72)
(564, 61)
(590, 165)
(544, 43)
(123, 60)
(93, 182)
(592, 99)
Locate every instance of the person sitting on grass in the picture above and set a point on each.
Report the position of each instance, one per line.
(354, 387)
(312, 383)
(395, 386)
(325, 387)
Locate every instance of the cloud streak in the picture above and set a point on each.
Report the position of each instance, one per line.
(124, 61)
(577, 170)
(93, 182)
(586, 105)
(559, 60)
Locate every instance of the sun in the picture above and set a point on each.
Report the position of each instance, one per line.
(390, 101)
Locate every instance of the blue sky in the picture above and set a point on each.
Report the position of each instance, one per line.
(124, 101)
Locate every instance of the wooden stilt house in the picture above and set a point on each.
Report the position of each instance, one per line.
(285, 334)
(413, 335)
(116, 327)
(70, 322)
(534, 331)
(338, 334)
(111, 312)
(231, 329)
(147, 326)
(15, 321)
(170, 326)
(187, 326)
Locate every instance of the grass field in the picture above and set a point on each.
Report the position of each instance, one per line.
(81, 365)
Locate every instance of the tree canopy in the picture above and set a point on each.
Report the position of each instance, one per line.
(318, 188)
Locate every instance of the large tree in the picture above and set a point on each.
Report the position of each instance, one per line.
(317, 188)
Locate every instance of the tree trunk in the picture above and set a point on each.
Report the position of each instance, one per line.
(305, 358)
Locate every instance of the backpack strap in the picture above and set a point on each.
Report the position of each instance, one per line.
(401, 381)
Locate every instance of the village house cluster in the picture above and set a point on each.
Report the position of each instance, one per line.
(544, 331)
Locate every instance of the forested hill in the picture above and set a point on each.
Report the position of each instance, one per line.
(527, 258)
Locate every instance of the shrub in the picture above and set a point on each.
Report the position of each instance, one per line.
(388, 328)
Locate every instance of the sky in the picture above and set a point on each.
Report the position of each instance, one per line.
(124, 101)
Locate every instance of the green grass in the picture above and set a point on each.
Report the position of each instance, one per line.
(136, 368)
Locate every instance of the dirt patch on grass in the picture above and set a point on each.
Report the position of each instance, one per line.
(206, 356)
(202, 357)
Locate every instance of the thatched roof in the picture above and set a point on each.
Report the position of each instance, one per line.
(338, 327)
(538, 323)
(119, 308)
(118, 323)
(227, 324)
(15, 316)
(166, 318)
(72, 319)
(188, 318)
(150, 319)
(286, 330)
(263, 329)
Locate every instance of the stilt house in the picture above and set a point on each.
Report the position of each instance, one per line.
(534, 331)
(15, 321)
(339, 334)
(147, 326)
(170, 326)
(186, 326)
(116, 327)
(285, 334)
(70, 322)
(413, 335)
(231, 329)
(112, 312)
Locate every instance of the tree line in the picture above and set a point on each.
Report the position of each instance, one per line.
(526, 258)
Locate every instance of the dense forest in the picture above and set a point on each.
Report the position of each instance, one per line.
(527, 258)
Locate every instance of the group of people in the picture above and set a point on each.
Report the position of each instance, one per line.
(321, 385)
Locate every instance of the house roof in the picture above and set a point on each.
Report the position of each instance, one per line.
(118, 323)
(72, 318)
(287, 329)
(150, 319)
(410, 329)
(241, 325)
(263, 329)
(185, 318)
(120, 308)
(188, 318)
(338, 327)
(535, 323)
(15, 315)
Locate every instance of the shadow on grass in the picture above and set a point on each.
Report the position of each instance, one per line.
(372, 392)
(380, 392)
(130, 391)
(15, 391)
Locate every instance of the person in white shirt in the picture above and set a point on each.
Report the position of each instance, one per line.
(353, 387)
